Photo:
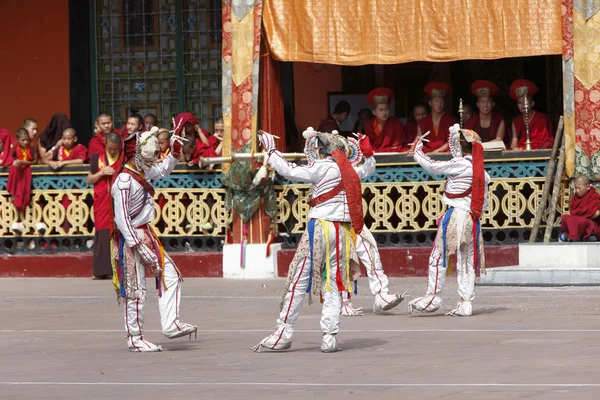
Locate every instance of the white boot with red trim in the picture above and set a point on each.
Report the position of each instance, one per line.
(429, 303)
(279, 340)
(140, 345)
(464, 308)
(386, 301)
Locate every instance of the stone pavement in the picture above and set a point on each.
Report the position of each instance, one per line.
(64, 339)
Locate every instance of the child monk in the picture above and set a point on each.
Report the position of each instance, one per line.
(164, 143)
(19, 177)
(102, 168)
(70, 152)
(584, 221)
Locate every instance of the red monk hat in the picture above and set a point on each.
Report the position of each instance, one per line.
(484, 89)
(437, 89)
(380, 95)
(522, 87)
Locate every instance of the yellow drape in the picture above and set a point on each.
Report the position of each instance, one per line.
(357, 32)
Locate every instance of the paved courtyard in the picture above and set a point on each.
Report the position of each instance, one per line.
(64, 339)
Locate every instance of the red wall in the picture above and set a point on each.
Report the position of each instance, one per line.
(34, 61)
(311, 84)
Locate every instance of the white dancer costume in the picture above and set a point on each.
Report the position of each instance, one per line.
(459, 228)
(326, 245)
(137, 247)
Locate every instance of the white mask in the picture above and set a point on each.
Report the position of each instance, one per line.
(148, 149)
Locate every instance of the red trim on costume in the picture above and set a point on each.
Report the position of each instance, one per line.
(322, 198)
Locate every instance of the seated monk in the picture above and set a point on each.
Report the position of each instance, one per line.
(584, 221)
(420, 111)
(540, 129)
(385, 132)
(438, 122)
(488, 124)
(340, 113)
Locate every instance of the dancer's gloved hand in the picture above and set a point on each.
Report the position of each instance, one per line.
(147, 257)
(267, 141)
(177, 145)
(365, 145)
(419, 144)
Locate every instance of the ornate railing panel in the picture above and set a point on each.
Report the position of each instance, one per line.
(401, 203)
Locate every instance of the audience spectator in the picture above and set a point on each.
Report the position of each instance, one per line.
(364, 115)
(419, 111)
(385, 132)
(70, 152)
(20, 179)
(102, 168)
(339, 115)
(50, 138)
(104, 124)
(150, 120)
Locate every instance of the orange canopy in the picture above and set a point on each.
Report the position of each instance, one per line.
(357, 32)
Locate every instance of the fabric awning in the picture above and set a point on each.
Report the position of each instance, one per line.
(358, 32)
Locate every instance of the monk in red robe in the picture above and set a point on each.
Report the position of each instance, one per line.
(385, 132)
(489, 125)
(584, 221)
(420, 111)
(540, 128)
(6, 141)
(102, 168)
(19, 173)
(70, 152)
(438, 122)
(340, 113)
(105, 126)
(164, 144)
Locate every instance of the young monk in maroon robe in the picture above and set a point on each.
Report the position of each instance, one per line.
(19, 175)
(488, 124)
(70, 152)
(420, 111)
(438, 122)
(97, 143)
(385, 132)
(102, 168)
(540, 128)
(584, 221)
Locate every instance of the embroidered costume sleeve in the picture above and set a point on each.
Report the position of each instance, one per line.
(366, 169)
(308, 174)
(452, 167)
(164, 168)
(121, 192)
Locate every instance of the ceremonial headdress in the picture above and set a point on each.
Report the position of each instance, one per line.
(345, 154)
(380, 95)
(437, 89)
(484, 88)
(522, 87)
